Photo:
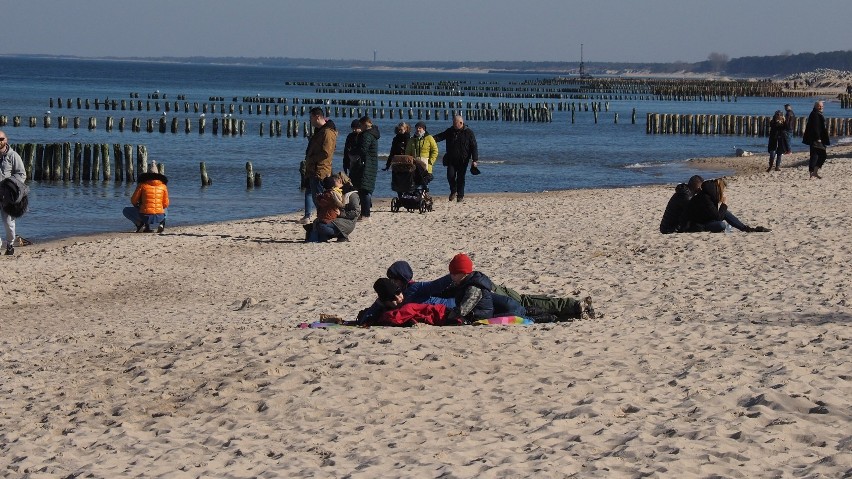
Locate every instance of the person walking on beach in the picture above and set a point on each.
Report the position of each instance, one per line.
(778, 144)
(363, 172)
(461, 149)
(318, 156)
(816, 136)
(789, 125)
(11, 166)
(398, 143)
(423, 148)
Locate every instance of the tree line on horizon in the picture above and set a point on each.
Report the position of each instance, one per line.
(766, 66)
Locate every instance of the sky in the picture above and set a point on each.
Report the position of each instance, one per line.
(428, 30)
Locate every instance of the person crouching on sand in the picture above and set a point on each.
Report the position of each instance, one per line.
(150, 201)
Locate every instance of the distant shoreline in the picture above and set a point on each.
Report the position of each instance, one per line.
(822, 80)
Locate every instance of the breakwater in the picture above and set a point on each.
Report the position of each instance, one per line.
(734, 125)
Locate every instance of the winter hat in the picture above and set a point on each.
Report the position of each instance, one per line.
(420, 124)
(461, 263)
(355, 124)
(385, 289)
(400, 270)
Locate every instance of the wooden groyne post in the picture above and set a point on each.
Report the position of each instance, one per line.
(71, 163)
(205, 179)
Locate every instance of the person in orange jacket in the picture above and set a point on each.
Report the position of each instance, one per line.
(150, 201)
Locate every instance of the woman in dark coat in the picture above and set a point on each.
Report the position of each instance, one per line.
(707, 210)
(400, 140)
(778, 144)
(364, 173)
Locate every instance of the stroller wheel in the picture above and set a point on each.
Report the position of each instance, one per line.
(394, 205)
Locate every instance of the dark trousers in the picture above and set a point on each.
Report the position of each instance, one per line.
(455, 177)
(817, 159)
(366, 198)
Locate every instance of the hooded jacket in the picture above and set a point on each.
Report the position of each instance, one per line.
(363, 175)
(320, 151)
(11, 165)
(152, 195)
(13, 193)
(674, 217)
(424, 147)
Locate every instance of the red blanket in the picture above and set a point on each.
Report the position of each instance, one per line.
(412, 313)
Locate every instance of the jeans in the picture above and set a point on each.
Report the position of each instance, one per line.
(719, 226)
(775, 156)
(9, 226)
(313, 190)
(817, 159)
(322, 232)
(132, 213)
(366, 198)
(455, 177)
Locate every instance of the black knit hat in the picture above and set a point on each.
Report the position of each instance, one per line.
(386, 289)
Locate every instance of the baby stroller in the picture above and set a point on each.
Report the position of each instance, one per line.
(409, 179)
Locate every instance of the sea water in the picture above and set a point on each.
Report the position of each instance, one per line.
(514, 156)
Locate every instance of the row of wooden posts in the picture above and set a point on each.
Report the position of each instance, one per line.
(83, 162)
(738, 125)
(91, 162)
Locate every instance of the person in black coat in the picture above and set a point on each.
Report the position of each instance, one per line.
(400, 139)
(363, 172)
(778, 144)
(674, 217)
(816, 136)
(707, 210)
(461, 149)
(350, 145)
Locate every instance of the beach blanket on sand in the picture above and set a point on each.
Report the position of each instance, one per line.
(502, 320)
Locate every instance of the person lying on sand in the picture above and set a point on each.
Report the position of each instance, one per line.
(507, 301)
(396, 312)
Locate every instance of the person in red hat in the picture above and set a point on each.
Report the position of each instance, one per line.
(472, 290)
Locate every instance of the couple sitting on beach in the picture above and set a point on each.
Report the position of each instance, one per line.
(338, 208)
(701, 206)
(462, 297)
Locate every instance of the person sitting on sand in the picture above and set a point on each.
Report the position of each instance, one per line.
(674, 217)
(150, 201)
(348, 217)
(329, 204)
(338, 208)
(396, 312)
(708, 211)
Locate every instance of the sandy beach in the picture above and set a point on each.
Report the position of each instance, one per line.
(179, 355)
